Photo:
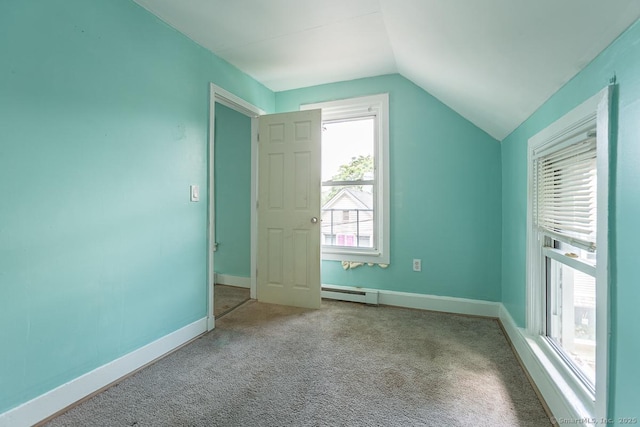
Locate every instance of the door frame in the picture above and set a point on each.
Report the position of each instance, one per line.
(226, 98)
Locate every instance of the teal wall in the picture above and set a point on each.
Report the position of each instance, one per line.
(103, 127)
(445, 194)
(623, 59)
(232, 192)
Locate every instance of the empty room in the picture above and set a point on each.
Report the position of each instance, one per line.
(354, 212)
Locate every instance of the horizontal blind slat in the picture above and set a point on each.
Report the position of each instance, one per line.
(565, 191)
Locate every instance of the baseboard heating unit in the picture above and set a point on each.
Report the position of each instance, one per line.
(349, 293)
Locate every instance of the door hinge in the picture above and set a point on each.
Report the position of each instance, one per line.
(258, 137)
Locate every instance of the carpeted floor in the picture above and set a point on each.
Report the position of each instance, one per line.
(343, 365)
(226, 298)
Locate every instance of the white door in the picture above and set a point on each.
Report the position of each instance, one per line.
(289, 209)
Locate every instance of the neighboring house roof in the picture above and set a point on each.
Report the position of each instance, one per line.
(363, 199)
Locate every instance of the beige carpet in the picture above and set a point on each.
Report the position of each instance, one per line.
(226, 298)
(343, 365)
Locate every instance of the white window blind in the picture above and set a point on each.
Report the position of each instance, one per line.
(565, 191)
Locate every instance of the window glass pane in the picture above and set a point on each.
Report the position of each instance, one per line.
(348, 216)
(572, 315)
(348, 149)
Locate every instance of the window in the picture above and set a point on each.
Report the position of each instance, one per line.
(355, 212)
(565, 203)
(567, 256)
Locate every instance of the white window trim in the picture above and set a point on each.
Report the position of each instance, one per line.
(596, 111)
(355, 107)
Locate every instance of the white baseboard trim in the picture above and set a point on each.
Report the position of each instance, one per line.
(438, 303)
(431, 302)
(54, 401)
(558, 396)
(240, 282)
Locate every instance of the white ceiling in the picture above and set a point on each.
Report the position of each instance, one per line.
(492, 61)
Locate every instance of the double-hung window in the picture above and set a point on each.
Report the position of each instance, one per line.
(567, 251)
(355, 208)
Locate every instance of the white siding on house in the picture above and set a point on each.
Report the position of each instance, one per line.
(347, 217)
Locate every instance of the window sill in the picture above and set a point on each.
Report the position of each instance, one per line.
(354, 255)
(556, 380)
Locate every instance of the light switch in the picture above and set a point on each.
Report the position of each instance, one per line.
(195, 193)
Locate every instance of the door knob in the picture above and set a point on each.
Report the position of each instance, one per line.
(314, 220)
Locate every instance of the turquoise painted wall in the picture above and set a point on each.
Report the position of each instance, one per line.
(445, 194)
(232, 192)
(103, 127)
(623, 59)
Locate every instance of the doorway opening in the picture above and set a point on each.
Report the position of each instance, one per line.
(224, 106)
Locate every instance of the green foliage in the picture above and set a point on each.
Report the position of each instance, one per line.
(355, 170)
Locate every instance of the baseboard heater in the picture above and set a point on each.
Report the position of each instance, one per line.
(348, 293)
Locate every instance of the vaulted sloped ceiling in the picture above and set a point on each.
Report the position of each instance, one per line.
(493, 61)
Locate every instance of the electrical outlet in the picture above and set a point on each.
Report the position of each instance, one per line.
(417, 265)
